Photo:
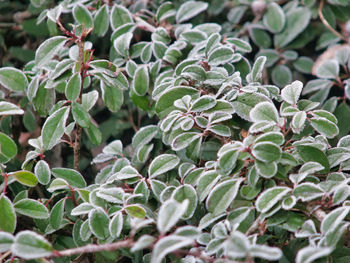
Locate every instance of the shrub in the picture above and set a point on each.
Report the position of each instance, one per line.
(221, 165)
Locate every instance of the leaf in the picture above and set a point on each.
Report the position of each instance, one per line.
(245, 102)
(297, 20)
(116, 225)
(25, 177)
(264, 111)
(42, 172)
(165, 10)
(113, 195)
(80, 115)
(74, 178)
(329, 69)
(266, 252)
(220, 55)
(30, 245)
(333, 219)
(48, 49)
(7, 108)
(298, 121)
(266, 170)
(83, 16)
(324, 127)
(274, 19)
(311, 154)
(222, 195)
(291, 93)
(141, 81)
(135, 211)
(308, 191)
(270, 197)
(31, 208)
(8, 148)
(73, 87)
(6, 241)
(8, 216)
(144, 136)
(99, 222)
(240, 45)
(183, 140)
(122, 44)
(82, 209)
(267, 151)
(227, 161)
(101, 21)
(143, 242)
(56, 214)
(167, 245)
(162, 163)
(203, 103)
(13, 79)
(310, 254)
(119, 16)
(53, 128)
(186, 192)
(165, 103)
(94, 134)
(190, 9)
(256, 73)
(113, 97)
(169, 214)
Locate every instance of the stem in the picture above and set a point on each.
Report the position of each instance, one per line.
(6, 179)
(325, 22)
(92, 248)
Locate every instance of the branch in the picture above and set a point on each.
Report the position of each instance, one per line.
(92, 248)
(325, 22)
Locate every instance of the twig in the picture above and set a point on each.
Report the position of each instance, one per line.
(92, 248)
(5, 255)
(325, 22)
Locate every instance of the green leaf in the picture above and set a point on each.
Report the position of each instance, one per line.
(58, 184)
(48, 49)
(30, 245)
(274, 19)
(264, 111)
(311, 154)
(274, 137)
(227, 161)
(245, 102)
(31, 208)
(141, 81)
(165, 103)
(56, 214)
(291, 93)
(266, 170)
(73, 87)
(203, 103)
(307, 192)
(222, 195)
(311, 253)
(165, 10)
(298, 121)
(113, 97)
(94, 134)
(25, 177)
(42, 172)
(6, 241)
(162, 163)
(8, 148)
(7, 108)
(83, 16)
(324, 127)
(334, 219)
(122, 44)
(82, 209)
(183, 140)
(220, 55)
(144, 136)
(101, 21)
(169, 214)
(8, 216)
(135, 211)
(186, 192)
(256, 73)
(296, 21)
(13, 79)
(281, 75)
(119, 16)
(116, 225)
(190, 9)
(80, 115)
(53, 128)
(270, 197)
(329, 69)
(267, 151)
(167, 245)
(206, 182)
(74, 178)
(99, 222)
(143, 242)
(240, 44)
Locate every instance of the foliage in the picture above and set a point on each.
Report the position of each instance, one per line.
(151, 132)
